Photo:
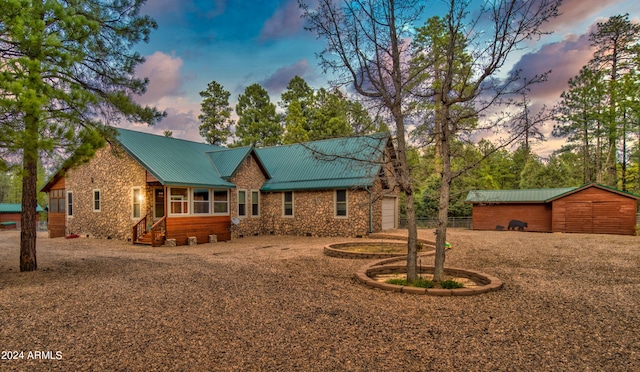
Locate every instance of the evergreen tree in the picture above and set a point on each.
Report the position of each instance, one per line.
(216, 114)
(258, 124)
(67, 70)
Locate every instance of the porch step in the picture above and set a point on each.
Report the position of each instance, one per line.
(146, 239)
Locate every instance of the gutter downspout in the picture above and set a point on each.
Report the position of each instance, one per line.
(370, 209)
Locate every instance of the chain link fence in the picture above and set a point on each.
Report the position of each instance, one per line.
(431, 223)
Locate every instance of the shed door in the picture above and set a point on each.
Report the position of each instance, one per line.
(578, 217)
(388, 213)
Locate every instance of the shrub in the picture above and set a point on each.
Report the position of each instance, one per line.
(451, 284)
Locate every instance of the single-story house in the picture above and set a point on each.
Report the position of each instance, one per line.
(590, 208)
(176, 189)
(11, 214)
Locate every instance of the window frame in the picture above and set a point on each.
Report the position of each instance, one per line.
(284, 204)
(244, 192)
(215, 202)
(182, 202)
(69, 201)
(135, 202)
(195, 202)
(338, 202)
(256, 205)
(96, 200)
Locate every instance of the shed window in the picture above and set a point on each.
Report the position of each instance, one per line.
(341, 203)
(287, 203)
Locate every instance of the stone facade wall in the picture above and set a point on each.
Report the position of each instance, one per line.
(115, 177)
(249, 178)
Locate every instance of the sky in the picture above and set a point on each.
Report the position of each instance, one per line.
(241, 42)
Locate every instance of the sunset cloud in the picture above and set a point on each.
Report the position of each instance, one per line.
(164, 74)
(278, 81)
(285, 21)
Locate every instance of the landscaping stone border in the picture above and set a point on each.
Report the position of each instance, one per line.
(333, 250)
(388, 266)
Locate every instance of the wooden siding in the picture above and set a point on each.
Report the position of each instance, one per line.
(181, 228)
(594, 210)
(56, 225)
(151, 178)
(488, 216)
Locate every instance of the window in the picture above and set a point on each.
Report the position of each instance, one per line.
(56, 201)
(341, 203)
(96, 200)
(255, 203)
(287, 203)
(179, 200)
(201, 201)
(220, 202)
(69, 203)
(136, 202)
(158, 197)
(242, 203)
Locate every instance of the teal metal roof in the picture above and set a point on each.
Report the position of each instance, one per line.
(227, 161)
(15, 208)
(173, 161)
(336, 163)
(516, 196)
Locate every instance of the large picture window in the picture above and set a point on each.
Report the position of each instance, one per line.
(287, 203)
(341, 203)
(179, 200)
(201, 201)
(220, 202)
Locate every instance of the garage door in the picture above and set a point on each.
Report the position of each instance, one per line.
(388, 213)
(602, 217)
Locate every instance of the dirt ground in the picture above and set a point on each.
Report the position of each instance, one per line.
(571, 302)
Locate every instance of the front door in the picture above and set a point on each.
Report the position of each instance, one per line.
(158, 203)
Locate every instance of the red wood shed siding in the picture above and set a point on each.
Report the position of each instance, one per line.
(181, 228)
(488, 216)
(595, 211)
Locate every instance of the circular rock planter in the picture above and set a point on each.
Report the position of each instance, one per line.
(350, 250)
(485, 283)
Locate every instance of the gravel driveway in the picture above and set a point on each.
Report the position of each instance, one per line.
(571, 302)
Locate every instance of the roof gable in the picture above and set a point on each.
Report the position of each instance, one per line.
(227, 161)
(328, 164)
(173, 161)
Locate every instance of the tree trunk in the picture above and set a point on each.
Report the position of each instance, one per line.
(29, 196)
(443, 206)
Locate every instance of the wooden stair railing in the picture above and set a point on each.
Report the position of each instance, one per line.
(139, 229)
(158, 232)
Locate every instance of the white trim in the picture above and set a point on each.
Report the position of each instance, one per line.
(293, 205)
(179, 199)
(93, 200)
(213, 203)
(346, 203)
(193, 201)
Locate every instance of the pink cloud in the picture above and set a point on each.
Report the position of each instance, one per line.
(284, 22)
(279, 80)
(164, 73)
(575, 11)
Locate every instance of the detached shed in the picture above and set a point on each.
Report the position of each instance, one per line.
(591, 208)
(10, 215)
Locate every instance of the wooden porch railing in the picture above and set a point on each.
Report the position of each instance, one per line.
(158, 231)
(139, 229)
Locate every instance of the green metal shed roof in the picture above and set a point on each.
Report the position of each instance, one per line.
(15, 208)
(173, 161)
(335, 163)
(515, 196)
